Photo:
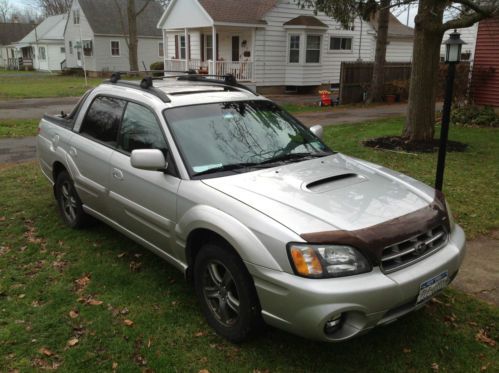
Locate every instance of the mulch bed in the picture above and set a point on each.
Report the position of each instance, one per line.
(399, 143)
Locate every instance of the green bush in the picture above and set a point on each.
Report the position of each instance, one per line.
(159, 65)
(471, 115)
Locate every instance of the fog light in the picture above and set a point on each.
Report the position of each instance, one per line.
(333, 324)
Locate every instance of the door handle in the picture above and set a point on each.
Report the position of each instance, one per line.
(117, 174)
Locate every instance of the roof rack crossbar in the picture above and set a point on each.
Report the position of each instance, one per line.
(139, 85)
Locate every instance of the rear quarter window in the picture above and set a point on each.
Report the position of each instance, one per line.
(102, 120)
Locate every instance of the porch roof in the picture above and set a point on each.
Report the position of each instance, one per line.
(207, 13)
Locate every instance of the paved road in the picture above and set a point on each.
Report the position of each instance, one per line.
(35, 107)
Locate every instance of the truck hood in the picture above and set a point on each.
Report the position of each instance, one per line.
(330, 193)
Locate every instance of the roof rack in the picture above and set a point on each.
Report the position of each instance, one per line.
(228, 81)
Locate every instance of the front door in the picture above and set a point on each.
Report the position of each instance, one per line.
(143, 202)
(235, 48)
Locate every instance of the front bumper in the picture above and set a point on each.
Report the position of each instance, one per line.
(303, 306)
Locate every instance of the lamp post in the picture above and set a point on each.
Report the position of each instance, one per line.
(452, 58)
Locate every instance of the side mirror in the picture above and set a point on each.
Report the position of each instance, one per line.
(317, 130)
(148, 159)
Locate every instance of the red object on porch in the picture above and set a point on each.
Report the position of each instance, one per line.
(326, 99)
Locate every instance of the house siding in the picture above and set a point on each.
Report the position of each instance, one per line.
(399, 50)
(485, 86)
(468, 35)
(271, 49)
(72, 33)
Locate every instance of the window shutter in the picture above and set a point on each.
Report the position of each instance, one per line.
(202, 47)
(188, 47)
(218, 55)
(176, 47)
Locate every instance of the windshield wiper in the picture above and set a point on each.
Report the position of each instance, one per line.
(293, 156)
(227, 167)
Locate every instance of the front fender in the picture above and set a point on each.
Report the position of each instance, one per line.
(242, 239)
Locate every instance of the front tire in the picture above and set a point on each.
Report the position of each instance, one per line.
(226, 293)
(69, 203)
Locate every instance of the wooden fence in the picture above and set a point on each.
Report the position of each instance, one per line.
(355, 80)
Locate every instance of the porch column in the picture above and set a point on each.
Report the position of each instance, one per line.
(186, 41)
(253, 59)
(214, 48)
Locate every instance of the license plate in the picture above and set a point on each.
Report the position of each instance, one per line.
(432, 286)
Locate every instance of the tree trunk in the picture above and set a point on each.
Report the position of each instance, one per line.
(132, 36)
(378, 80)
(420, 121)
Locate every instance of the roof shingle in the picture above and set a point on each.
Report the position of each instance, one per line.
(395, 28)
(12, 32)
(306, 21)
(104, 17)
(238, 11)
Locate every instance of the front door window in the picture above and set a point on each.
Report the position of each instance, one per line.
(235, 48)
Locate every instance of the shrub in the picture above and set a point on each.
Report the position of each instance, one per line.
(471, 115)
(159, 65)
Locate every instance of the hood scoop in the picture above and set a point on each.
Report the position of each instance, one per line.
(334, 182)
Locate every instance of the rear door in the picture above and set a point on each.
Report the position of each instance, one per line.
(144, 202)
(90, 153)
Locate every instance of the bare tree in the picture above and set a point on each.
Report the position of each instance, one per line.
(53, 7)
(5, 9)
(430, 27)
(130, 32)
(378, 79)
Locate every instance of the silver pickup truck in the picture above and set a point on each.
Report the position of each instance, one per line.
(269, 224)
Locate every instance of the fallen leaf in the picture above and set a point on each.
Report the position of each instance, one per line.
(204, 371)
(21, 296)
(74, 314)
(483, 368)
(45, 351)
(200, 334)
(124, 311)
(434, 366)
(407, 350)
(128, 322)
(2, 218)
(149, 343)
(472, 323)
(135, 266)
(121, 255)
(81, 283)
(94, 302)
(137, 255)
(482, 336)
(73, 342)
(115, 365)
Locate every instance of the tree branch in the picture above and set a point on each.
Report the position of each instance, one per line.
(122, 24)
(143, 8)
(468, 20)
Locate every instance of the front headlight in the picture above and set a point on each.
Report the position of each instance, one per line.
(320, 261)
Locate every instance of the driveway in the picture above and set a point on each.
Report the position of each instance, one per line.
(35, 107)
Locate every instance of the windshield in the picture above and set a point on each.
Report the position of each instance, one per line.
(239, 136)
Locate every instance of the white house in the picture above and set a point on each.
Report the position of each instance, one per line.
(96, 30)
(9, 34)
(44, 46)
(272, 44)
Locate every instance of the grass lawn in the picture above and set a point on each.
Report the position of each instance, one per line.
(17, 85)
(18, 127)
(65, 295)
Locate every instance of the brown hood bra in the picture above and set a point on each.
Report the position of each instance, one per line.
(372, 240)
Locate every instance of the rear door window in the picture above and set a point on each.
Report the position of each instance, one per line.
(102, 120)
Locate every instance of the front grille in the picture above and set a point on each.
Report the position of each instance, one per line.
(410, 251)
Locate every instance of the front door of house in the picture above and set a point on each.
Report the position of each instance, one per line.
(235, 48)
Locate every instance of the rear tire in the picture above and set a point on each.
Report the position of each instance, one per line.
(226, 293)
(69, 203)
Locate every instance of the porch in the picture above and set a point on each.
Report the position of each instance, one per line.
(214, 50)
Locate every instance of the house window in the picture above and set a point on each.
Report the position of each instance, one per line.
(70, 47)
(313, 53)
(76, 16)
(115, 48)
(182, 47)
(63, 50)
(87, 48)
(209, 47)
(41, 53)
(344, 44)
(294, 49)
(161, 50)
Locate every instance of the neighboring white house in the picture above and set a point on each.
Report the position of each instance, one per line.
(468, 35)
(9, 34)
(270, 43)
(44, 45)
(97, 26)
